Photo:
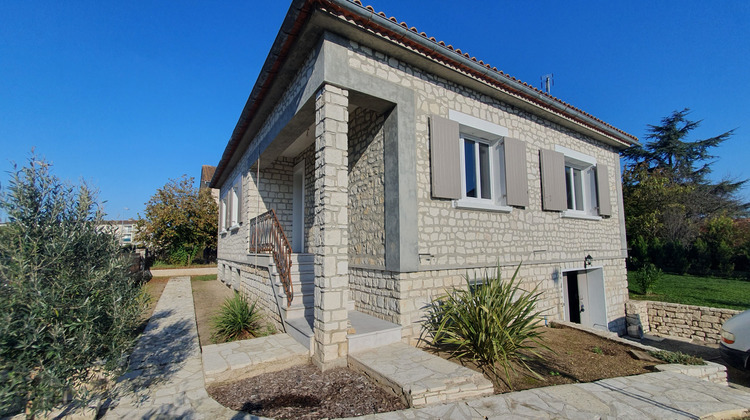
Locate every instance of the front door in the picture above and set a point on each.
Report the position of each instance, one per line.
(298, 208)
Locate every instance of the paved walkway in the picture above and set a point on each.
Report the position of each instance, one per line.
(662, 395)
(165, 377)
(166, 380)
(240, 359)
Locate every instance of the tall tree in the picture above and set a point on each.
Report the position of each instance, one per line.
(70, 309)
(180, 221)
(667, 194)
(667, 149)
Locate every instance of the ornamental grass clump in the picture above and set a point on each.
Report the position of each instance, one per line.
(492, 322)
(237, 318)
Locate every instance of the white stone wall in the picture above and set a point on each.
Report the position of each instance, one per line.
(254, 282)
(453, 240)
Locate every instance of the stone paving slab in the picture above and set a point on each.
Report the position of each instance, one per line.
(165, 375)
(246, 358)
(662, 395)
(418, 377)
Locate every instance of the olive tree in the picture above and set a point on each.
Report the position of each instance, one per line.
(70, 310)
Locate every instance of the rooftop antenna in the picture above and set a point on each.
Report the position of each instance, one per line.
(547, 82)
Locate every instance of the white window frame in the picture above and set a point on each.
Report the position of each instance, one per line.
(587, 166)
(484, 132)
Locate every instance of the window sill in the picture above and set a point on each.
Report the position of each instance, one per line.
(479, 205)
(579, 215)
(234, 228)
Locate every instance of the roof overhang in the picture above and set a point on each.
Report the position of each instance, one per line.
(307, 20)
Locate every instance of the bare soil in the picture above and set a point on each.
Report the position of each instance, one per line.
(303, 392)
(208, 295)
(574, 356)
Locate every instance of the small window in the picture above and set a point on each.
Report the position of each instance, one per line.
(482, 173)
(580, 178)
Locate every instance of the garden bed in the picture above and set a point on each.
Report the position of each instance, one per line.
(574, 356)
(303, 392)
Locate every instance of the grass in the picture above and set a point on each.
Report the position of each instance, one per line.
(158, 265)
(695, 290)
(205, 277)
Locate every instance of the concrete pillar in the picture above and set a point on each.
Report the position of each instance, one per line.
(330, 228)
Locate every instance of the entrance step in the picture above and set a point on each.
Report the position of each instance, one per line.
(301, 329)
(418, 377)
(246, 358)
(370, 332)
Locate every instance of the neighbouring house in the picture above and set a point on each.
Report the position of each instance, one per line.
(207, 173)
(124, 230)
(373, 167)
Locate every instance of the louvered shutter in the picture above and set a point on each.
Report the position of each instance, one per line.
(602, 190)
(553, 180)
(239, 201)
(516, 176)
(444, 158)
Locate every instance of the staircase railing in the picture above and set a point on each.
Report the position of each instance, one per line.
(266, 235)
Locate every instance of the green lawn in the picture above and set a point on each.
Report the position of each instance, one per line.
(702, 291)
(158, 265)
(205, 277)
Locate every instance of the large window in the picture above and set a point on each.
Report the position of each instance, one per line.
(482, 170)
(474, 163)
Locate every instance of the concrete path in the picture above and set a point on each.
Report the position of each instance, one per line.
(165, 377)
(662, 395)
(240, 359)
(174, 272)
(166, 380)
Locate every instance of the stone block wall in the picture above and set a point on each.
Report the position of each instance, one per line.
(376, 292)
(686, 321)
(255, 283)
(366, 189)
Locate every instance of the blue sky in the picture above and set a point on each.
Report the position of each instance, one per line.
(125, 95)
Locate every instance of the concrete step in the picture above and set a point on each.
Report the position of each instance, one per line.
(303, 259)
(301, 330)
(370, 332)
(419, 377)
(300, 308)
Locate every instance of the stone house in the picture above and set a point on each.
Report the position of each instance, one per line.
(395, 165)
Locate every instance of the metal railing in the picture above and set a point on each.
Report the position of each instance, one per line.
(266, 235)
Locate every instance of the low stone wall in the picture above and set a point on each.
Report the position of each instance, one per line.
(672, 319)
(711, 372)
(255, 283)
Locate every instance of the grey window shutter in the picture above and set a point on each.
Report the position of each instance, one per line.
(516, 176)
(222, 208)
(553, 180)
(229, 209)
(239, 201)
(444, 158)
(602, 190)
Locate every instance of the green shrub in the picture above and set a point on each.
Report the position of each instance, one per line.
(70, 309)
(236, 316)
(490, 322)
(677, 357)
(646, 277)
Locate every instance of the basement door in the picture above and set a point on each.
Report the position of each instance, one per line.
(585, 301)
(298, 208)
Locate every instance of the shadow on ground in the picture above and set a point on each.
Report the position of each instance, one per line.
(158, 355)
